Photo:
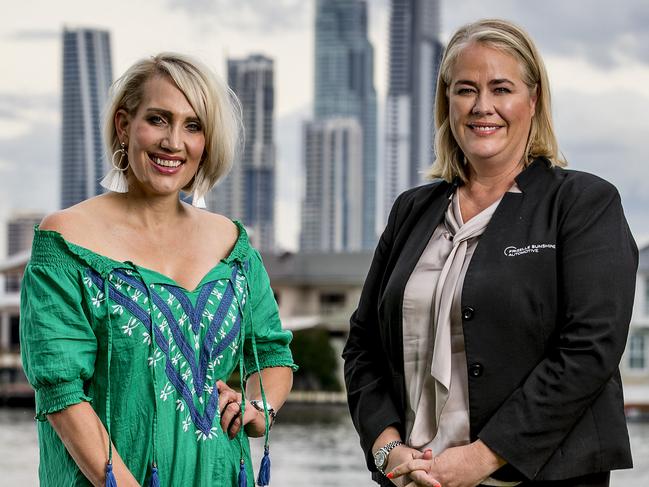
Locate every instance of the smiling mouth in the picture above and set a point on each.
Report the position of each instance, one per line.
(484, 128)
(171, 163)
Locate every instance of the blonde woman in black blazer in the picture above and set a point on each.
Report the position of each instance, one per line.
(545, 301)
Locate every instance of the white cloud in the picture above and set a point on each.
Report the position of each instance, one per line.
(10, 129)
(603, 32)
(577, 74)
(602, 133)
(597, 58)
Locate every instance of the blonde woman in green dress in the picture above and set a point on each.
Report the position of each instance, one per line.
(138, 307)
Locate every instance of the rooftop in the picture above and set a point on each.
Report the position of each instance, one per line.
(348, 268)
(16, 261)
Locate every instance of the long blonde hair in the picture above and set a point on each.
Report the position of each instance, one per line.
(511, 39)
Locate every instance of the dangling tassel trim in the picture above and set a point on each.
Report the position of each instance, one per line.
(263, 478)
(115, 181)
(243, 478)
(110, 476)
(155, 481)
(198, 201)
(199, 191)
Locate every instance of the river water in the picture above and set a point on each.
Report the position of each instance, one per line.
(312, 446)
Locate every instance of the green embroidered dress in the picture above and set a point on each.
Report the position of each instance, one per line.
(147, 354)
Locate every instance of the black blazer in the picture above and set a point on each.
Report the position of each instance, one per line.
(546, 305)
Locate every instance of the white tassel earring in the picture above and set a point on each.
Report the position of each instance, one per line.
(115, 180)
(198, 199)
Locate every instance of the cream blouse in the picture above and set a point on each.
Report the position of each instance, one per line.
(437, 415)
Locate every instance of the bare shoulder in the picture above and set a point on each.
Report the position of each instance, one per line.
(78, 220)
(219, 228)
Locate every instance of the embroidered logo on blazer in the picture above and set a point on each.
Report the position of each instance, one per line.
(512, 251)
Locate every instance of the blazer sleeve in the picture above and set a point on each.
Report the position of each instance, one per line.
(596, 269)
(367, 375)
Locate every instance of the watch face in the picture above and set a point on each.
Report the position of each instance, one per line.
(379, 458)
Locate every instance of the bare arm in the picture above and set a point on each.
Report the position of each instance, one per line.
(277, 384)
(86, 439)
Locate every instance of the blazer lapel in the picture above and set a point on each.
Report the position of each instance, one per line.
(413, 232)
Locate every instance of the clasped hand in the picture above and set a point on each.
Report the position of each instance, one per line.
(231, 417)
(463, 466)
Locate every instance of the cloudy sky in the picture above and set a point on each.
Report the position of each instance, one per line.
(597, 54)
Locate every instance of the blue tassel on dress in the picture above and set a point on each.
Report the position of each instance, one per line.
(263, 478)
(155, 481)
(110, 476)
(243, 478)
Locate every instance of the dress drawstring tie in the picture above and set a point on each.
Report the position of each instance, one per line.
(243, 476)
(263, 478)
(155, 480)
(110, 476)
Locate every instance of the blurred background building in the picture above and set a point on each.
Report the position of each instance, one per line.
(635, 363)
(415, 55)
(332, 211)
(248, 192)
(20, 231)
(87, 75)
(344, 87)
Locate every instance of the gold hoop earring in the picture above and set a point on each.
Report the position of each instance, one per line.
(115, 180)
(122, 153)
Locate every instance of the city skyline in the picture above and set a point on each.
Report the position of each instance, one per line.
(247, 193)
(87, 76)
(20, 232)
(596, 58)
(415, 55)
(332, 209)
(344, 87)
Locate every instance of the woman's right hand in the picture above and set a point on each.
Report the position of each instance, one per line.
(401, 454)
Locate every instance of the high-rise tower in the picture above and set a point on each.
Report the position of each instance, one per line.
(87, 75)
(344, 87)
(248, 192)
(20, 231)
(332, 211)
(415, 54)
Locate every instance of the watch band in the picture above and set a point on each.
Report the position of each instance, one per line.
(259, 406)
(386, 449)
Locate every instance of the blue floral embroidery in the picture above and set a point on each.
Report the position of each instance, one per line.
(215, 340)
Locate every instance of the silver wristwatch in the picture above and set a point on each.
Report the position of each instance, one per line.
(259, 406)
(381, 455)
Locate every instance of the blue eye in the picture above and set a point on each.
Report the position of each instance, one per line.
(194, 127)
(502, 90)
(156, 120)
(464, 91)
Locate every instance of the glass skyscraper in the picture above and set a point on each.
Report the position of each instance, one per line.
(415, 54)
(344, 87)
(332, 210)
(87, 75)
(20, 231)
(248, 192)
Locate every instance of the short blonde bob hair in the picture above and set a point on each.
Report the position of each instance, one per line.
(510, 39)
(216, 106)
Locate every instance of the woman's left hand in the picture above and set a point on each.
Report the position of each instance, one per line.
(463, 466)
(230, 409)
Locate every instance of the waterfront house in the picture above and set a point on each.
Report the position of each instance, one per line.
(635, 363)
(13, 384)
(320, 290)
